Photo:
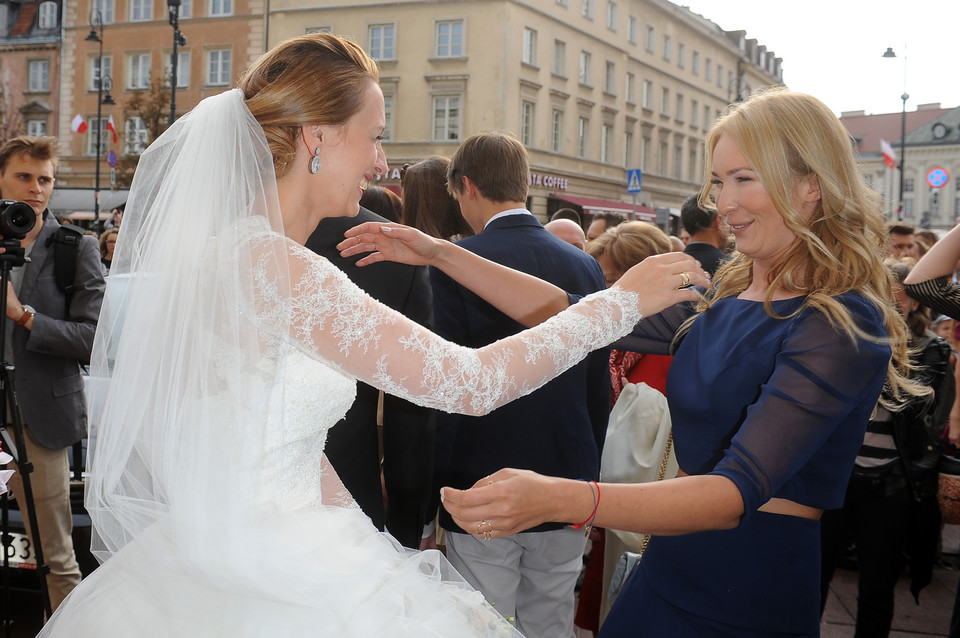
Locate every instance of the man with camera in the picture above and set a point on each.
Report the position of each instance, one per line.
(48, 336)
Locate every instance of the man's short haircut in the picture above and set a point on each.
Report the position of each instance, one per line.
(693, 218)
(610, 219)
(37, 148)
(899, 228)
(495, 162)
(567, 213)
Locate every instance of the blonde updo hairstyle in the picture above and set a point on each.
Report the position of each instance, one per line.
(311, 79)
(629, 243)
(787, 137)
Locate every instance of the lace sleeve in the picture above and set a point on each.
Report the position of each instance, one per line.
(332, 319)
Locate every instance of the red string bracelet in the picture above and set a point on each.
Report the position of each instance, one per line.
(593, 515)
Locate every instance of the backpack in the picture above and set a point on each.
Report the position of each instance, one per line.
(66, 248)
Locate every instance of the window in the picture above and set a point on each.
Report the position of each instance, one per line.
(529, 55)
(186, 9)
(450, 39)
(95, 74)
(662, 159)
(693, 163)
(388, 118)
(37, 128)
(138, 71)
(526, 123)
(48, 16)
(678, 162)
(708, 70)
(696, 63)
(679, 112)
(629, 88)
(560, 58)
(720, 75)
(609, 78)
(627, 149)
(446, 118)
(612, 16)
(381, 37)
(221, 7)
(644, 153)
(562, 3)
(136, 136)
(91, 145)
(218, 67)
(706, 117)
(694, 112)
(681, 55)
(908, 185)
(646, 94)
(4, 19)
(666, 48)
(556, 130)
(141, 10)
(38, 72)
(664, 101)
(632, 27)
(582, 125)
(105, 7)
(586, 9)
(649, 39)
(606, 142)
(584, 72)
(183, 69)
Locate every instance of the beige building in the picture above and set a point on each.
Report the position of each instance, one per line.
(593, 88)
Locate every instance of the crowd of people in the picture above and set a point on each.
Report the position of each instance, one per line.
(407, 396)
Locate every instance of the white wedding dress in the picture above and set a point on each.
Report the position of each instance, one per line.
(224, 353)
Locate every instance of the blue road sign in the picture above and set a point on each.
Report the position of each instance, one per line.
(112, 158)
(633, 180)
(938, 177)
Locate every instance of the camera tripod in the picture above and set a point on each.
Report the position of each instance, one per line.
(13, 442)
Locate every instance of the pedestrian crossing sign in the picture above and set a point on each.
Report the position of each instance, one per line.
(633, 180)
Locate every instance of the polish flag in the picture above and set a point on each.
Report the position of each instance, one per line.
(78, 125)
(112, 128)
(889, 157)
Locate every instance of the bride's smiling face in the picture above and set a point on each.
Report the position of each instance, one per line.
(351, 156)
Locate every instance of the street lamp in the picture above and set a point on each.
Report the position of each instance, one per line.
(903, 124)
(104, 84)
(173, 6)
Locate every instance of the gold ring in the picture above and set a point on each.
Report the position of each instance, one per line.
(373, 247)
(684, 280)
(485, 533)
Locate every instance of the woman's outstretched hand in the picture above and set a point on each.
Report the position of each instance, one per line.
(504, 503)
(664, 280)
(390, 242)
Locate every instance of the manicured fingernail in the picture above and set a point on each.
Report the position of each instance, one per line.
(441, 494)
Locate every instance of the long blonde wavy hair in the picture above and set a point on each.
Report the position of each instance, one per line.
(787, 137)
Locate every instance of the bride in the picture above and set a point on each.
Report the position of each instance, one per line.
(225, 350)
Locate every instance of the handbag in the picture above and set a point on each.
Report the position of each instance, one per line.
(638, 449)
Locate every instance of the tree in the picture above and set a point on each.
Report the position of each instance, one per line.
(152, 106)
(11, 121)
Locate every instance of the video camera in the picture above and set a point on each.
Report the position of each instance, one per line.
(16, 219)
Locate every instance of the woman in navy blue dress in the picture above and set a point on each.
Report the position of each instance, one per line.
(770, 391)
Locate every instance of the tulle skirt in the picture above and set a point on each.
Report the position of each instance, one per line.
(328, 572)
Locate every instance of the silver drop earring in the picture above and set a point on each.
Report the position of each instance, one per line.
(315, 162)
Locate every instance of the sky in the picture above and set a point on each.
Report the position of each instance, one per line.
(833, 49)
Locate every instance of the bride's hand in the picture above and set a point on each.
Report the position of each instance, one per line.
(390, 242)
(664, 280)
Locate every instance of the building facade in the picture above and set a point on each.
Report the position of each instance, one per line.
(593, 88)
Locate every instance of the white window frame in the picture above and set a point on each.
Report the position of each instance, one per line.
(138, 71)
(720, 75)
(606, 143)
(446, 44)
(611, 15)
(556, 130)
(630, 88)
(650, 39)
(610, 78)
(388, 103)
(583, 70)
(186, 9)
(662, 158)
(583, 134)
(136, 137)
(646, 94)
(529, 54)
(680, 106)
(38, 76)
(447, 118)
(216, 74)
(708, 70)
(36, 128)
(527, 122)
(667, 43)
(141, 10)
(220, 8)
(560, 58)
(586, 9)
(633, 26)
(678, 162)
(47, 15)
(681, 55)
(183, 69)
(91, 143)
(694, 112)
(95, 74)
(382, 40)
(107, 8)
(664, 101)
(695, 63)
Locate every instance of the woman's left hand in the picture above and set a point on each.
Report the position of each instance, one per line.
(505, 503)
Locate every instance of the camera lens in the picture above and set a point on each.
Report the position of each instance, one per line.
(16, 219)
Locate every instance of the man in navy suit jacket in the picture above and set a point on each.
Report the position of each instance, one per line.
(557, 430)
